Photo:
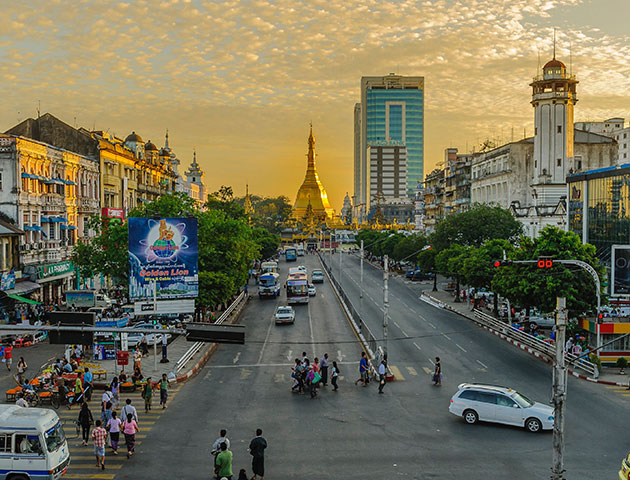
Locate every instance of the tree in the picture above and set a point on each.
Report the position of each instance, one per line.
(530, 286)
(267, 242)
(408, 246)
(450, 262)
(223, 199)
(426, 262)
(475, 226)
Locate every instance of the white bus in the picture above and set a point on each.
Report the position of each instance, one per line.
(33, 445)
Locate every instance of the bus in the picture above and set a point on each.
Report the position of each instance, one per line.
(297, 288)
(268, 267)
(268, 285)
(290, 254)
(300, 250)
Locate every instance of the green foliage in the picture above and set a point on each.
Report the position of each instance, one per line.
(426, 260)
(268, 243)
(450, 262)
(528, 286)
(224, 200)
(475, 226)
(408, 246)
(622, 363)
(176, 204)
(478, 268)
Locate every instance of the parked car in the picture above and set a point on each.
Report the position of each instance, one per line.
(418, 275)
(284, 314)
(317, 276)
(490, 403)
(311, 290)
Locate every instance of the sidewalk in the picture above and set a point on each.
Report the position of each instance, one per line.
(442, 299)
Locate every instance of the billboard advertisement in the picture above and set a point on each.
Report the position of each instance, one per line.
(620, 271)
(163, 256)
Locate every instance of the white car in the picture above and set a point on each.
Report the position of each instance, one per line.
(284, 314)
(317, 276)
(302, 268)
(489, 403)
(311, 290)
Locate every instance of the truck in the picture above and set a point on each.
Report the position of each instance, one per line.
(87, 299)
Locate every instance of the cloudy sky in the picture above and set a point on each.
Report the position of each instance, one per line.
(241, 80)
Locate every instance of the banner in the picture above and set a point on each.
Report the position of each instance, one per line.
(620, 266)
(163, 256)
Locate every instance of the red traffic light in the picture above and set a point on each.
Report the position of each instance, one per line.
(497, 263)
(545, 262)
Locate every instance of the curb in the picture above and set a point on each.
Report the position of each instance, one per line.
(521, 346)
(206, 356)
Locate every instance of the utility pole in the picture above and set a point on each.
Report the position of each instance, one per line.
(330, 252)
(361, 289)
(385, 303)
(559, 392)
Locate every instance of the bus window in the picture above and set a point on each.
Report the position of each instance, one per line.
(25, 444)
(5, 443)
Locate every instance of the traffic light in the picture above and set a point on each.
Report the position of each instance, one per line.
(545, 262)
(502, 263)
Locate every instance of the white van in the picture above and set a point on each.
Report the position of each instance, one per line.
(32, 444)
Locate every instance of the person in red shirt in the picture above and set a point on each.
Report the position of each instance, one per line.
(8, 356)
(98, 435)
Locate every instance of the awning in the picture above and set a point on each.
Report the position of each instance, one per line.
(45, 220)
(22, 288)
(69, 182)
(27, 175)
(23, 299)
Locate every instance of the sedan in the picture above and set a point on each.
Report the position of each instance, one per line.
(284, 314)
(311, 290)
(490, 403)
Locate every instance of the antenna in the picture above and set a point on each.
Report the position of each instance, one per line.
(570, 58)
(554, 43)
(39, 104)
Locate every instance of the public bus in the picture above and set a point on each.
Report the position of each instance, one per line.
(268, 285)
(297, 288)
(290, 254)
(268, 267)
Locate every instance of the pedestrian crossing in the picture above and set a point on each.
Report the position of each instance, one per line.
(623, 391)
(82, 459)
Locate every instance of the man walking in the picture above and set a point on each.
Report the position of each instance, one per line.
(129, 409)
(257, 450)
(223, 463)
(382, 370)
(147, 394)
(216, 446)
(363, 370)
(323, 365)
(163, 390)
(87, 384)
(98, 435)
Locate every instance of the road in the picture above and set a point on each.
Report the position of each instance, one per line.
(357, 434)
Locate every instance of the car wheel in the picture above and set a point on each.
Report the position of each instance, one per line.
(533, 425)
(471, 417)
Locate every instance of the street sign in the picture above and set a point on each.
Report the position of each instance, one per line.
(164, 307)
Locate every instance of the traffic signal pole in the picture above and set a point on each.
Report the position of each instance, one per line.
(559, 392)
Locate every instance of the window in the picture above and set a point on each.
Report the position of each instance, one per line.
(625, 155)
(51, 230)
(535, 130)
(504, 401)
(468, 395)
(559, 162)
(26, 444)
(559, 128)
(625, 135)
(487, 397)
(0, 180)
(5, 443)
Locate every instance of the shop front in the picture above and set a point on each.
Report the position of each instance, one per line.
(612, 331)
(55, 279)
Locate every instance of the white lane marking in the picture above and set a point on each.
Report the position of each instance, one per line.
(395, 323)
(262, 350)
(460, 347)
(268, 365)
(310, 326)
(431, 324)
(289, 355)
(417, 346)
(413, 311)
(404, 333)
(483, 365)
(446, 336)
(236, 357)
(340, 356)
(432, 363)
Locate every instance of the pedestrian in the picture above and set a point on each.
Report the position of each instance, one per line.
(113, 427)
(437, 374)
(334, 376)
(216, 446)
(129, 409)
(569, 345)
(164, 347)
(324, 369)
(363, 370)
(115, 389)
(296, 374)
(257, 450)
(137, 360)
(85, 419)
(310, 380)
(106, 414)
(382, 370)
(78, 389)
(316, 365)
(107, 397)
(223, 463)
(98, 435)
(21, 369)
(130, 427)
(8, 356)
(147, 394)
(20, 402)
(304, 358)
(87, 384)
(242, 474)
(163, 390)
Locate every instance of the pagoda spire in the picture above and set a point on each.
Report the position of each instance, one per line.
(166, 142)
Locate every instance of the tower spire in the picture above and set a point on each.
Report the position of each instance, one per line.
(554, 43)
(166, 142)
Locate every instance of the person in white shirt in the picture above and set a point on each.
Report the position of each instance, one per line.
(382, 369)
(216, 446)
(129, 409)
(569, 345)
(21, 402)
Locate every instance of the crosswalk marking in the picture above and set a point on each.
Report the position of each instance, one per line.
(279, 378)
(245, 373)
(412, 371)
(398, 376)
(427, 370)
(90, 476)
(92, 464)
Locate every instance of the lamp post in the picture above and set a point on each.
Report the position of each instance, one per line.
(385, 303)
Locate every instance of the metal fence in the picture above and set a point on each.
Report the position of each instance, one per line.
(535, 343)
(363, 329)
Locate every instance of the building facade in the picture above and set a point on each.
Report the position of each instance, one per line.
(613, 128)
(388, 171)
(391, 109)
(433, 199)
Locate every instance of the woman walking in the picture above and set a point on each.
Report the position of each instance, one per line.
(437, 375)
(130, 427)
(113, 427)
(147, 394)
(334, 376)
(85, 419)
(163, 390)
(115, 392)
(21, 368)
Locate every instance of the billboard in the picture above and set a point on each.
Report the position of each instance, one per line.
(163, 256)
(620, 271)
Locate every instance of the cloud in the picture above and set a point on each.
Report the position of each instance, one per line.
(240, 80)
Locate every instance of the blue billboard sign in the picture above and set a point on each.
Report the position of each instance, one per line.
(163, 256)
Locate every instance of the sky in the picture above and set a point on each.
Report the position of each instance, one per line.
(240, 81)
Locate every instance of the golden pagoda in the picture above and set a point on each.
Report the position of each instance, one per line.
(312, 191)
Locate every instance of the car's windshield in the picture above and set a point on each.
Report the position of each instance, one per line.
(522, 400)
(55, 437)
(284, 310)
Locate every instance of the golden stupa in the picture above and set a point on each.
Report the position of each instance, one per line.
(312, 191)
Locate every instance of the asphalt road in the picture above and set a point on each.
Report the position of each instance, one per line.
(357, 434)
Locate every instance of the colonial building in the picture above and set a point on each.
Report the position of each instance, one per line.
(613, 128)
(433, 199)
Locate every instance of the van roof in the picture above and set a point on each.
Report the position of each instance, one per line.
(13, 417)
(481, 386)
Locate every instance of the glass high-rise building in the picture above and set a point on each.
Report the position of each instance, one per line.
(391, 112)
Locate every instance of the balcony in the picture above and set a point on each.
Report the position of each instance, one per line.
(111, 180)
(30, 198)
(53, 201)
(88, 203)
